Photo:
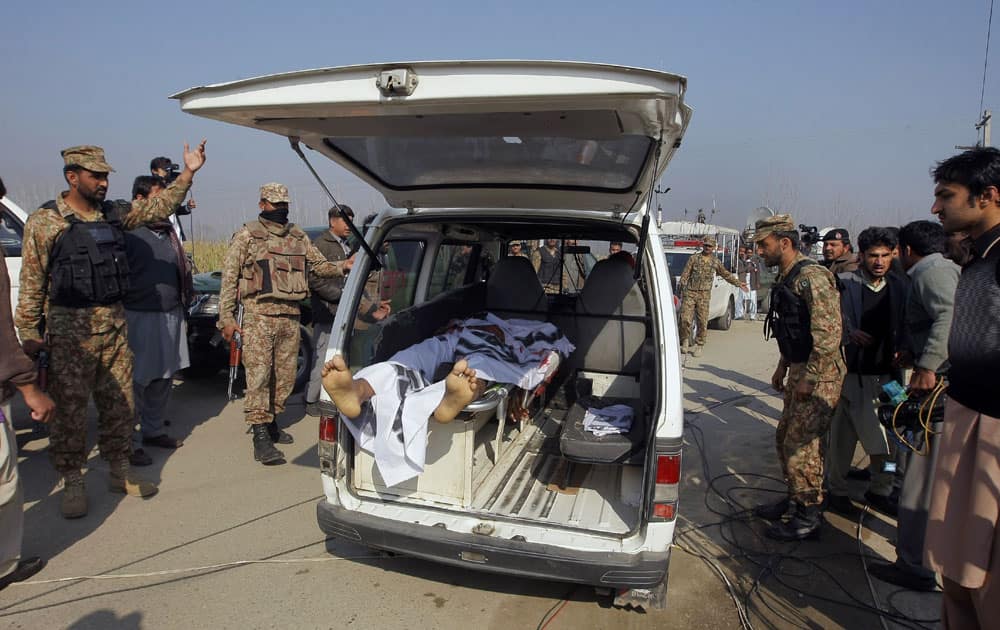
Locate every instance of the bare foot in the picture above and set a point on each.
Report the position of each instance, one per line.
(339, 384)
(461, 388)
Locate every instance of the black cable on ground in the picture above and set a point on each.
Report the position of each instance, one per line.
(780, 566)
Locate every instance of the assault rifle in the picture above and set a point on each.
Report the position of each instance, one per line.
(235, 350)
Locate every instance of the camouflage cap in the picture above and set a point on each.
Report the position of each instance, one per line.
(274, 192)
(770, 225)
(88, 157)
(709, 240)
(837, 234)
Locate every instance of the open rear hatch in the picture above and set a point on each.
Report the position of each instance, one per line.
(515, 134)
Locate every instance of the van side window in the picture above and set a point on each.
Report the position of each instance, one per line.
(454, 266)
(398, 282)
(11, 233)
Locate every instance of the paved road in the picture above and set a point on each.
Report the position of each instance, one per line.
(217, 507)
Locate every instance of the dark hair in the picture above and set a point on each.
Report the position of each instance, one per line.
(71, 168)
(875, 236)
(618, 243)
(976, 169)
(333, 213)
(144, 184)
(3, 189)
(160, 162)
(923, 237)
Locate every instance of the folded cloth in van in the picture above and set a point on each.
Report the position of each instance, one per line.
(609, 420)
(393, 423)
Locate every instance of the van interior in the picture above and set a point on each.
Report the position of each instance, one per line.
(514, 454)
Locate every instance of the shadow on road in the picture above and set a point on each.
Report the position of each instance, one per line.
(730, 465)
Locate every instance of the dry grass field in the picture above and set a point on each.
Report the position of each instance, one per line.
(208, 255)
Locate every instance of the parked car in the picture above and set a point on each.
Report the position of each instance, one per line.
(471, 156)
(12, 219)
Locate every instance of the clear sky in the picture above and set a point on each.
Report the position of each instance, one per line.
(834, 111)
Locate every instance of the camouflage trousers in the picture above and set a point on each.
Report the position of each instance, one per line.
(81, 366)
(694, 307)
(270, 357)
(801, 436)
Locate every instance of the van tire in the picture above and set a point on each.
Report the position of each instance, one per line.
(725, 321)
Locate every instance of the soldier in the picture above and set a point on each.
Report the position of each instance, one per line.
(74, 275)
(265, 268)
(805, 319)
(695, 285)
(837, 254)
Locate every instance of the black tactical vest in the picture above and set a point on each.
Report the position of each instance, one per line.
(88, 265)
(788, 318)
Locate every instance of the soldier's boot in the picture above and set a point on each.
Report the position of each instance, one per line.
(773, 511)
(73, 503)
(277, 435)
(804, 523)
(263, 448)
(697, 350)
(123, 479)
(685, 348)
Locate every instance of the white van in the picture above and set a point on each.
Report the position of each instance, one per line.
(472, 156)
(683, 239)
(12, 219)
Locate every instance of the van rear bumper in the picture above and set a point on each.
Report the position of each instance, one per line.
(486, 553)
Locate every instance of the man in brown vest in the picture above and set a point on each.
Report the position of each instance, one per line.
(265, 269)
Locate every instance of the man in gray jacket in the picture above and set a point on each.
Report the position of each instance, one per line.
(325, 297)
(872, 305)
(929, 307)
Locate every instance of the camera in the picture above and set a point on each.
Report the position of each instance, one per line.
(909, 415)
(810, 234)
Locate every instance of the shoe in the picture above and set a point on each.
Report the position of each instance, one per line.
(697, 350)
(162, 441)
(685, 348)
(859, 474)
(841, 504)
(804, 524)
(773, 511)
(73, 503)
(263, 448)
(894, 574)
(312, 409)
(277, 435)
(882, 504)
(140, 458)
(123, 479)
(24, 570)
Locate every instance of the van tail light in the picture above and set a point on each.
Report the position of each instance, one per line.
(327, 445)
(668, 476)
(327, 429)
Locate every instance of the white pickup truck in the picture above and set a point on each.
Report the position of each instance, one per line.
(681, 240)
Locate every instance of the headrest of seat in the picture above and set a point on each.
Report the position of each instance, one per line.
(514, 285)
(610, 289)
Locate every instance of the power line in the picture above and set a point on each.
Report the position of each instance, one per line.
(986, 61)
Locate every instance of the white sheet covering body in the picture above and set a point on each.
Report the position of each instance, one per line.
(393, 425)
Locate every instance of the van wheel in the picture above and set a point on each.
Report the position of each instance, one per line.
(304, 360)
(726, 321)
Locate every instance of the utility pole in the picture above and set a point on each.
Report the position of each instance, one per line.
(984, 125)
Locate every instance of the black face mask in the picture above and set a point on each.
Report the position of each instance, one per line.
(277, 216)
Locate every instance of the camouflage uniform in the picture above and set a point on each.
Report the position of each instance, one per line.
(271, 304)
(88, 346)
(804, 423)
(696, 280)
